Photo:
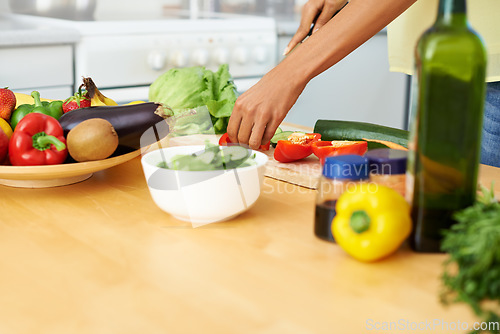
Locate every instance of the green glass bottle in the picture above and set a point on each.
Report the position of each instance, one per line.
(448, 93)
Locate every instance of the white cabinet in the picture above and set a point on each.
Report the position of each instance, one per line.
(358, 88)
(46, 68)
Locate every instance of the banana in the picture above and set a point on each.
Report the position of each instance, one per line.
(136, 102)
(95, 96)
(26, 99)
(96, 102)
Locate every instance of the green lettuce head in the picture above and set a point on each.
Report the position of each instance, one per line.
(192, 87)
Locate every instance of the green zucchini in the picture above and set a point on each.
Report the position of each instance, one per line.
(352, 130)
(282, 135)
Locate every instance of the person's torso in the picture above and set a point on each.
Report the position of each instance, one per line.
(404, 32)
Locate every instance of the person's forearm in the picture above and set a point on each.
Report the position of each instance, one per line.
(351, 27)
(261, 109)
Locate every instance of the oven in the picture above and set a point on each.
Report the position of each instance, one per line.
(125, 54)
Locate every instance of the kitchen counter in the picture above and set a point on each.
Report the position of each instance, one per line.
(19, 33)
(100, 257)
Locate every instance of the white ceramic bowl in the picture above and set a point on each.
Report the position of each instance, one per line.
(202, 197)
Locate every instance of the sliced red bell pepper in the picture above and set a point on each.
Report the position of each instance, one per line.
(37, 140)
(225, 141)
(298, 146)
(323, 149)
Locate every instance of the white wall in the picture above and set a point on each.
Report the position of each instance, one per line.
(4, 6)
(358, 88)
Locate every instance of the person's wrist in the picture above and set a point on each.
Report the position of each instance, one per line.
(294, 73)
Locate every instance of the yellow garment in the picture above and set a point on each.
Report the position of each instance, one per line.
(404, 32)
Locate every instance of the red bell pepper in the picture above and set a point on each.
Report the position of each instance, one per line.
(298, 146)
(37, 140)
(4, 146)
(225, 141)
(323, 149)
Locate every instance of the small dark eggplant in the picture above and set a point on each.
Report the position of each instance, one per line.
(129, 121)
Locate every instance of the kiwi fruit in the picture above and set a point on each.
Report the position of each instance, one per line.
(92, 139)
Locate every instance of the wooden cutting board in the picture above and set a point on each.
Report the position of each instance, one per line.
(305, 172)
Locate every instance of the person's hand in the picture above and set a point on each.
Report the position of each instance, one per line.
(260, 110)
(317, 12)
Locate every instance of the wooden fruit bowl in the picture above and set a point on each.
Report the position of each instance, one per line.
(59, 175)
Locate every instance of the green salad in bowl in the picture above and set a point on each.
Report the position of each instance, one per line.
(213, 157)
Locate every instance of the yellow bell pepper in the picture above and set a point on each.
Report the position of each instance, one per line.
(371, 221)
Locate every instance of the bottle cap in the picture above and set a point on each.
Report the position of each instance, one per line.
(352, 167)
(387, 161)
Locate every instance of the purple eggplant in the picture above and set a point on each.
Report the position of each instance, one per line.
(130, 121)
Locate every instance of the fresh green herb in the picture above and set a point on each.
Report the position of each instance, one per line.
(472, 271)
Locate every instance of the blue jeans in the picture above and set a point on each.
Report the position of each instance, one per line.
(490, 145)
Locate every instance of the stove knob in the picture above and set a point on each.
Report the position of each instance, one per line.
(156, 60)
(221, 56)
(179, 59)
(241, 55)
(200, 57)
(260, 54)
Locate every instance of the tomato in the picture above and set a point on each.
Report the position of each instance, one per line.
(323, 149)
(224, 141)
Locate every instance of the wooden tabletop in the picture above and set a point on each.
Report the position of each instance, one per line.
(100, 257)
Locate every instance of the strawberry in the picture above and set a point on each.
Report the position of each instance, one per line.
(79, 100)
(7, 103)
